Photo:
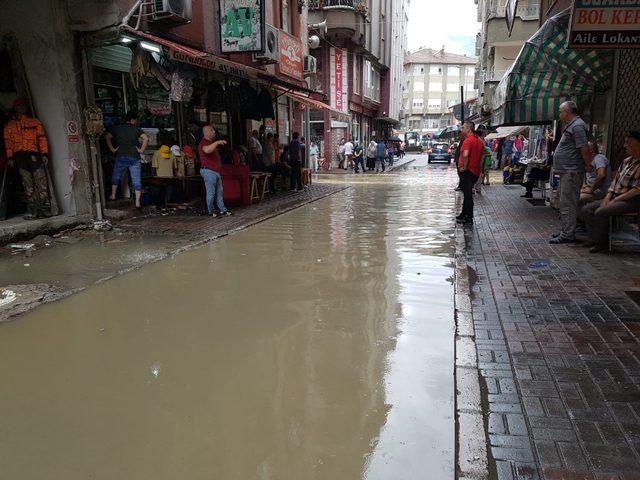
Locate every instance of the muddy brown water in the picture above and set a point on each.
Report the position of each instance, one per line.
(317, 345)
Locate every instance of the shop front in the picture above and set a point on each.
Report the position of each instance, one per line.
(175, 91)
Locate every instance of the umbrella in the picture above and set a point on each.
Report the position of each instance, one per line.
(395, 139)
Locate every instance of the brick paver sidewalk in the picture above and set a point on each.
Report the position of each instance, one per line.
(558, 346)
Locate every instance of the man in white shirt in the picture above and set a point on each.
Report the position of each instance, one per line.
(348, 155)
(255, 147)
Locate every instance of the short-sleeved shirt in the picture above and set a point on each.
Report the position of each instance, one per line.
(599, 161)
(269, 154)
(164, 166)
(487, 156)
(359, 151)
(210, 161)
(475, 146)
(127, 139)
(348, 148)
(294, 151)
(567, 157)
(628, 177)
(380, 148)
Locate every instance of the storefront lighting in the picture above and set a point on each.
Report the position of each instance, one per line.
(152, 47)
(125, 39)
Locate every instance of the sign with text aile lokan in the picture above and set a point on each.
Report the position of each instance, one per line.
(613, 24)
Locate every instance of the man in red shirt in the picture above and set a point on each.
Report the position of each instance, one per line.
(469, 164)
(209, 169)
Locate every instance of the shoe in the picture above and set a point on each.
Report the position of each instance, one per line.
(212, 215)
(226, 214)
(598, 247)
(527, 195)
(464, 220)
(458, 217)
(560, 240)
(556, 235)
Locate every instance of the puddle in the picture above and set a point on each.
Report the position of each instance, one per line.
(316, 345)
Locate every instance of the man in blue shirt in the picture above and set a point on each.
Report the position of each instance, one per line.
(381, 154)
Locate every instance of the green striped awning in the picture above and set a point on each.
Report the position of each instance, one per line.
(547, 73)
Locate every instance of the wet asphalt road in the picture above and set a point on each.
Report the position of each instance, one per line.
(317, 345)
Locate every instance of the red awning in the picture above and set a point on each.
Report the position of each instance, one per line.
(316, 104)
(198, 58)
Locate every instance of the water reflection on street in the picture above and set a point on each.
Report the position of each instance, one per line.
(317, 345)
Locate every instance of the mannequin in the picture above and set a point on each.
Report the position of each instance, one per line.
(27, 146)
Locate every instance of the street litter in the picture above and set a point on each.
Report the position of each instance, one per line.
(6, 297)
(538, 264)
(22, 246)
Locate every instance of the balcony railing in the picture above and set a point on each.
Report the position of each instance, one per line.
(359, 5)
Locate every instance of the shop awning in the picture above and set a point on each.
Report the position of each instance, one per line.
(546, 73)
(504, 132)
(315, 104)
(197, 58)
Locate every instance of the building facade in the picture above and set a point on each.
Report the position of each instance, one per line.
(432, 86)
(496, 47)
(357, 69)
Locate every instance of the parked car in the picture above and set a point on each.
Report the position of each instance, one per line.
(439, 152)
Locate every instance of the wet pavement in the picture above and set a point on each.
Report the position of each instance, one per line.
(316, 345)
(558, 345)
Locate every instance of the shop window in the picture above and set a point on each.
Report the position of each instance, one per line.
(357, 74)
(418, 86)
(418, 103)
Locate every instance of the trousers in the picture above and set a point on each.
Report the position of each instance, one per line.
(570, 186)
(596, 217)
(33, 174)
(213, 187)
(467, 182)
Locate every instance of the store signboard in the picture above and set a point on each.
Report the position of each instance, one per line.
(611, 24)
(339, 74)
(290, 55)
(211, 63)
(242, 25)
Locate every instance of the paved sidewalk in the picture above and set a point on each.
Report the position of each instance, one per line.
(558, 346)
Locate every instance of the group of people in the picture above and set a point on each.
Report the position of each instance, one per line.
(128, 142)
(590, 193)
(351, 155)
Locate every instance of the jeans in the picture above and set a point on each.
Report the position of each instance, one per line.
(133, 164)
(570, 186)
(296, 174)
(467, 182)
(597, 218)
(213, 186)
(359, 161)
(380, 163)
(391, 159)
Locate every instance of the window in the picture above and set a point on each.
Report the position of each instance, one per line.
(453, 87)
(357, 74)
(435, 86)
(453, 71)
(435, 69)
(418, 69)
(435, 103)
(372, 81)
(418, 103)
(451, 103)
(418, 86)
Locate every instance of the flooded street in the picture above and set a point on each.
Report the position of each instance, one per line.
(316, 345)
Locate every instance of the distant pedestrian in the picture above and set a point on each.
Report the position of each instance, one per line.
(381, 155)
(570, 160)
(348, 155)
(295, 161)
(341, 154)
(391, 151)
(314, 151)
(470, 164)
(372, 152)
(358, 153)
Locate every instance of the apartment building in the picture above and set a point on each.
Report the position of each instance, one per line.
(432, 86)
(357, 68)
(496, 47)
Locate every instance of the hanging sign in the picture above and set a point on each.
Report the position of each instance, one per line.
(339, 74)
(290, 55)
(611, 24)
(241, 24)
(213, 63)
(510, 14)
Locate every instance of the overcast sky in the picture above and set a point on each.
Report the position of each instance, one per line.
(452, 23)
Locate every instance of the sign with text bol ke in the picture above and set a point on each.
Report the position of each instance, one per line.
(241, 25)
(611, 24)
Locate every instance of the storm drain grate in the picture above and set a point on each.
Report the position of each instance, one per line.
(537, 202)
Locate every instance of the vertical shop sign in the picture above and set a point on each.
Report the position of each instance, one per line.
(339, 79)
(598, 24)
(241, 24)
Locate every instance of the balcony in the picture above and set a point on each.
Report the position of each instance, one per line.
(346, 19)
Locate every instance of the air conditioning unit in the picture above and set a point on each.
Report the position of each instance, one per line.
(271, 52)
(171, 11)
(310, 64)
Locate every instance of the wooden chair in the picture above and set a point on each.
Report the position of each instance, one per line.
(259, 185)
